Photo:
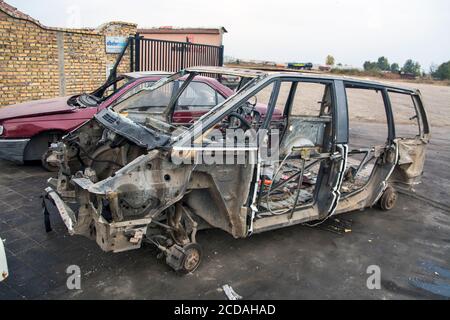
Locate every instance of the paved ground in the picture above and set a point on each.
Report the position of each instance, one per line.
(411, 244)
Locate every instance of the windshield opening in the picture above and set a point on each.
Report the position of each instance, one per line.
(209, 119)
(116, 86)
(181, 92)
(94, 99)
(155, 97)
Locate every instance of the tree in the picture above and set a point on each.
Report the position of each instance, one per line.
(383, 64)
(412, 67)
(330, 60)
(443, 71)
(395, 67)
(433, 69)
(370, 66)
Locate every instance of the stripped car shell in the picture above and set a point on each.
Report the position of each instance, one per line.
(124, 180)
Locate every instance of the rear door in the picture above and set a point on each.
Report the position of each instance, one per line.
(412, 134)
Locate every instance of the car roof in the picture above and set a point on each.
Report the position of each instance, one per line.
(246, 73)
(143, 74)
(349, 80)
(156, 74)
(254, 73)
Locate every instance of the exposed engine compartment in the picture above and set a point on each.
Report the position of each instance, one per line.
(118, 185)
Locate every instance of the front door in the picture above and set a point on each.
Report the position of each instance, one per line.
(302, 183)
(291, 167)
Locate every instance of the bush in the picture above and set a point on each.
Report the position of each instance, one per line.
(443, 71)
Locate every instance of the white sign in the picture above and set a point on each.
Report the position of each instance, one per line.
(115, 44)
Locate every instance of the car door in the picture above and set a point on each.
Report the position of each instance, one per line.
(412, 134)
(304, 183)
(372, 148)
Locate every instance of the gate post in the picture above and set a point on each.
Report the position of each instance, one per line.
(183, 52)
(221, 49)
(137, 60)
(131, 45)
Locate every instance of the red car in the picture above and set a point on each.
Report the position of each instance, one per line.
(27, 129)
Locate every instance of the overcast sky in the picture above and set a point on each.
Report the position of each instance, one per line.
(353, 31)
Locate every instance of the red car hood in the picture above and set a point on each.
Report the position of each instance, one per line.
(262, 109)
(35, 108)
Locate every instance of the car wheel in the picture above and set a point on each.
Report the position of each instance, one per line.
(192, 258)
(388, 199)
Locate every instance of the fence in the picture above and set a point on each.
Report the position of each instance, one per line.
(162, 55)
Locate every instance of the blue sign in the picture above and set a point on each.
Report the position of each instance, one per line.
(115, 44)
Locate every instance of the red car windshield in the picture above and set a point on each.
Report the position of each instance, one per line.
(101, 94)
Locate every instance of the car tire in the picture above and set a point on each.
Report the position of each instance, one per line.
(388, 199)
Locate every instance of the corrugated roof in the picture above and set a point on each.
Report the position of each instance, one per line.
(172, 30)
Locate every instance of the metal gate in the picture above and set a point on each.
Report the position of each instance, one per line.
(163, 55)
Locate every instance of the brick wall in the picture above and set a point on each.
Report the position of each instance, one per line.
(38, 62)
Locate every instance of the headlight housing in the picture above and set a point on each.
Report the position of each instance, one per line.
(1, 130)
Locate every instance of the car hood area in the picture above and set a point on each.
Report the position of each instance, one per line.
(36, 108)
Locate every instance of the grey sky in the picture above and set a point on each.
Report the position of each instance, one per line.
(303, 30)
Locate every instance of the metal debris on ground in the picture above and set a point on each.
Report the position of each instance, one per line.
(339, 226)
(230, 293)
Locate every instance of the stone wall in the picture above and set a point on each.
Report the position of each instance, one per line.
(38, 62)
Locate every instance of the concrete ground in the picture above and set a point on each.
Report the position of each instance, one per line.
(411, 245)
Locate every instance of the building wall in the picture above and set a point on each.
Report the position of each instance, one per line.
(38, 62)
(210, 39)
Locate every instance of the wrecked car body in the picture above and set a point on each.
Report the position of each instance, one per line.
(126, 179)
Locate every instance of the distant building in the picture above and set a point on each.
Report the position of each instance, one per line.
(407, 75)
(210, 36)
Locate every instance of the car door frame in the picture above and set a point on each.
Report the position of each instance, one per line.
(370, 193)
(205, 109)
(333, 176)
(327, 196)
(412, 151)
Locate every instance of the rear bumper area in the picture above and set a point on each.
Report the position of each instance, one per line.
(13, 149)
